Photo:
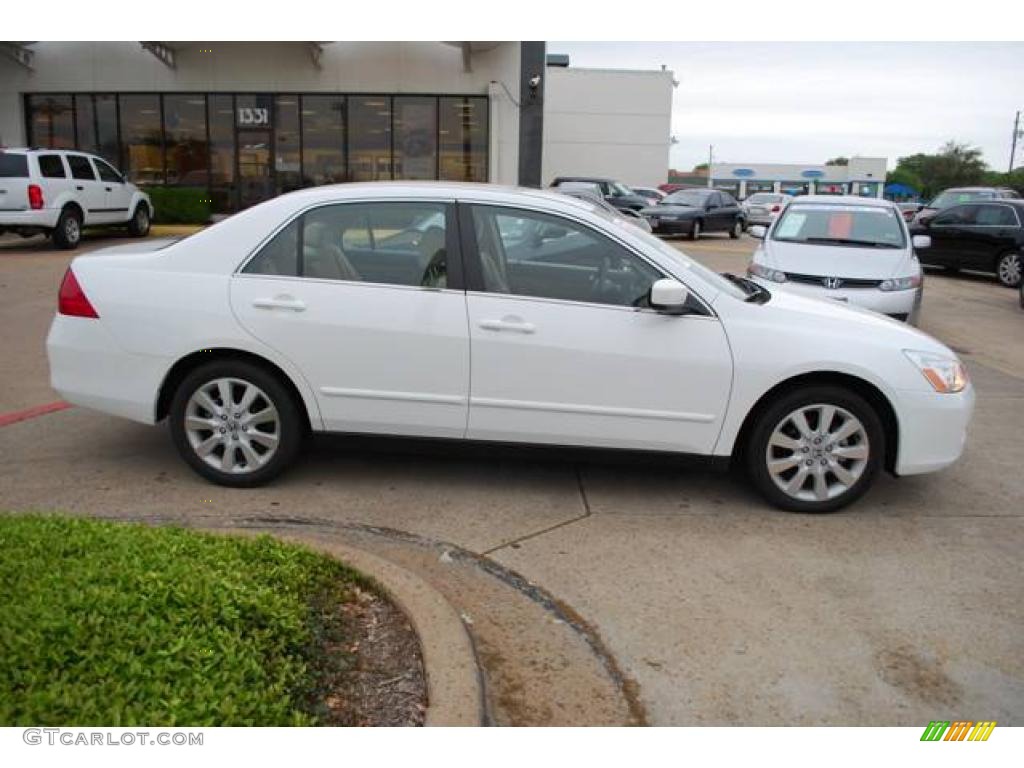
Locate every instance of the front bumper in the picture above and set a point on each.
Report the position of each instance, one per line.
(932, 429)
(89, 368)
(902, 305)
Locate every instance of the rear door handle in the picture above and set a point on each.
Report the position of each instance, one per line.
(108, 189)
(79, 188)
(513, 324)
(280, 302)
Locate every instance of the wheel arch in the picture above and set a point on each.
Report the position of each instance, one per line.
(185, 365)
(874, 396)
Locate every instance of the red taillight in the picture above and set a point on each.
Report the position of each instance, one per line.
(35, 197)
(776, 208)
(72, 300)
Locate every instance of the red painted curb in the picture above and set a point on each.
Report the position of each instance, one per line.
(6, 419)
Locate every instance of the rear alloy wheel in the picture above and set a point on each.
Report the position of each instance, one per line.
(68, 232)
(235, 424)
(695, 230)
(816, 450)
(737, 229)
(139, 224)
(1008, 269)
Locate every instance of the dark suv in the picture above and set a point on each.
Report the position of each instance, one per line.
(615, 192)
(986, 235)
(959, 195)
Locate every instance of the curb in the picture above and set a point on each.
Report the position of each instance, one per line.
(454, 690)
(13, 417)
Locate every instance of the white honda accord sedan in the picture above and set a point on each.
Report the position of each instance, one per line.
(482, 313)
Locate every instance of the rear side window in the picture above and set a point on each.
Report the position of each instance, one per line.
(13, 166)
(995, 216)
(52, 167)
(81, 168)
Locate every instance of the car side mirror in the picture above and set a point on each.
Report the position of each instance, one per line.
(924, 221)
(757, 231)
(669, 296)
(921, 241)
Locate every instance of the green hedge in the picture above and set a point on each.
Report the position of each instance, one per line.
(112, 624)
(180, 205)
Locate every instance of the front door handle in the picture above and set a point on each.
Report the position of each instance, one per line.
(79, 188)
(280, 302)
(509, 323)
(109, 189)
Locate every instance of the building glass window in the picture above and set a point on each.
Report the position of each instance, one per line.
(85, 123)
(222, 152)
(369, 143)
(323, 139)
(185, 140)
(462, 137)
(142, 138)
(287, 144)
(415, 130)
(108, 146)
(51, 118)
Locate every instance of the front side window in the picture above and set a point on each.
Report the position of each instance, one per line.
(844, 225)
(106, 172)
(390, 243)
(958, 216)
(527, 253)
(81, 168)
(52, 167)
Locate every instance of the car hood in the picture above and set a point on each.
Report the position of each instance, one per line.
(670, 210)
(835, 260)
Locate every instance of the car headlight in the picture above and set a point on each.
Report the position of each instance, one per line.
(900, 283)
(946, 374)
(760, 270)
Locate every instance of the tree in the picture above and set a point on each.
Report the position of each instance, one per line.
(955, 165)
(838, 161)
(700, 167)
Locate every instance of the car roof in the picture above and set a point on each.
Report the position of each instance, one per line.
(873, 202)
(583, 178)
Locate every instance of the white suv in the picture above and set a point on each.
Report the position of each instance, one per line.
(56, 192)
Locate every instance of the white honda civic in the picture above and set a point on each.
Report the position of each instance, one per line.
(482, 313)
(848, 249)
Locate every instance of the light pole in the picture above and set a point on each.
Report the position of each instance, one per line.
(1013, 143)
(711, 159)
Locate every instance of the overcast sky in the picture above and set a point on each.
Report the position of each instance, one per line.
(807, 102)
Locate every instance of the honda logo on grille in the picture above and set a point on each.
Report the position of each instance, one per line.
(832, 283)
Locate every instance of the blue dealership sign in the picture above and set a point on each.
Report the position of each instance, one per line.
(812, 174)
(744, 172)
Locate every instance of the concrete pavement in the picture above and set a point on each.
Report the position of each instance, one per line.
(681, 596)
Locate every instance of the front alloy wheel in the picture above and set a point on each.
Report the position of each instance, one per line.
(234, 423)
(1008, 270)
(695, 231)
(815, 450)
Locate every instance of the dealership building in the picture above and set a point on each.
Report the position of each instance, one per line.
(246, 121)
(863, 176)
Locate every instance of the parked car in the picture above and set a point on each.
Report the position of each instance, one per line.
(960, 195)
(764, 207)
(594, 196)
(58, 192)
(985, 236)
(696, 211)
(651, 194)
(850, 249)
(288, 318)
(615, 192)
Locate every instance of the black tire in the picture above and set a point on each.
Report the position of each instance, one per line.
(1022, 295)
(68, 233)
(737, 229)
(755, 454)
(695, 230)
(290, 428)
(1008, 269)
(138, 225)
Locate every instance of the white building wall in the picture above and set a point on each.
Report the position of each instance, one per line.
(614, 123)
(353, 67)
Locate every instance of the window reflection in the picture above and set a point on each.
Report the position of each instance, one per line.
(108, 145)
(287, 160)
(370, 138)
(143, 142)
(222, 151)
(462, 134)
(52, 121)
(185, 138)
(323, 139)
(85, 123)
(415, 137)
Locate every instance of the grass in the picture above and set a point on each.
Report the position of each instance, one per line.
(116, 624)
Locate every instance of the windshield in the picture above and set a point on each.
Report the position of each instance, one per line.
(692, 197)
(956, 196)
(867, 226)
(620, 190)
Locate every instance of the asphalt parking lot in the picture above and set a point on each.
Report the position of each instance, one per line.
(900, 610)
